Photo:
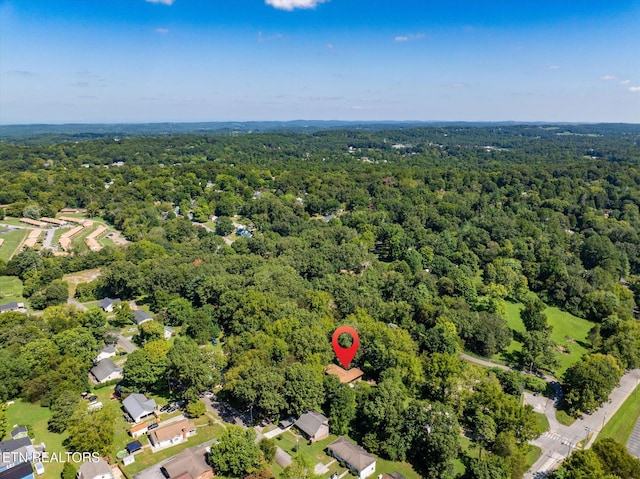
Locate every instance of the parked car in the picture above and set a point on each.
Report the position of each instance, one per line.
(152, 426)
(165, 408)
(93, 398)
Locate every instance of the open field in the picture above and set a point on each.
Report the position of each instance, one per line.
(85, 276)
(624, 420)
(10, 289)
(12, 240)
(35, 417)
(569, 332)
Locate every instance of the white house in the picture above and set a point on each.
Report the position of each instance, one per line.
(107, 304)
(106, 370)
(138, 406)
(108, 351)
(172, 434)
(355, 457)
(168, 332)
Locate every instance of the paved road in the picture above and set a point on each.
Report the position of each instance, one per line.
(79, 306)
(48, 239)
(559, 441)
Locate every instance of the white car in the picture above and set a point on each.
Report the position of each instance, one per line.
(39, 467)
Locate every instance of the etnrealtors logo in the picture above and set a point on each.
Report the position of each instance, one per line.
(77, 457)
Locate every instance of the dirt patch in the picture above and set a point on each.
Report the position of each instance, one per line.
(74, 279)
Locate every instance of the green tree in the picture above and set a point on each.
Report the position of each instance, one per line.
(62, 410)
(69, 471)
(532, 315)
(179, 312)
(195, 409)
(268, 448)
(91, 431)
(590, 381)
(236, 452)
(616, 459)
(303, 388)
(224, 226)
(342, 410)
(538, 350)
(3, 419)
(149, 331)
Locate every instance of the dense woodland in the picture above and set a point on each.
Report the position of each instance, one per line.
(417, 237)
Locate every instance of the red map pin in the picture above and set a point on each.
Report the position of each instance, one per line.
(345, 355)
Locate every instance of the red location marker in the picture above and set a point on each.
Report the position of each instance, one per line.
(345, 355)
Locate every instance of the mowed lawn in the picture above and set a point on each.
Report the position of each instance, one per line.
(317, 453)
(35, 417)
(569, 333)
(12, 240)
(622, 423)
(10, 289)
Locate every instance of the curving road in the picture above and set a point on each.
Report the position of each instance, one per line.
(559, 441)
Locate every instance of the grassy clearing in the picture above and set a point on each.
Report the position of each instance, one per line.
(564, 418)
(533, 455)
(624, 420)
(85, 276)
(10, 289)
(569, 332)
(36, 417)
(12, 221)
(12, 239)
(542, 423)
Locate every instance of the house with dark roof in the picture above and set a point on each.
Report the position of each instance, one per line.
(171, 434)
(23, 470)
(19, 432)
(14, 452)
(138, 406)
(133, 447)
(106, 370)
(140, 316)
(108, 351)
(13, 306)
(94, 469)
(107, 304)
(313, 425)
(189, 464)
(353, 456)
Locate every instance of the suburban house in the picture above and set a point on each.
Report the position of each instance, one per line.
(133, 447)
(353, 456)
(140, 316)
(108, 351)
(172, 434)
(106, 370)
(23, 470)
(14, 452)
(13, 306)
(139, 429)
(189, 464)
(313, 425)
(107, 304)
(138, 406)
(19, 432)
(168, 332)
(345, 376)
(94, 470)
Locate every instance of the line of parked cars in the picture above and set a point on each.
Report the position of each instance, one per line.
(172, 407)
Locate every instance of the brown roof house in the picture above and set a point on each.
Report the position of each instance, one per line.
(94, 469)
(189, 464)
(345, 376)
(313, 425)
(353, 456)
(171, 434)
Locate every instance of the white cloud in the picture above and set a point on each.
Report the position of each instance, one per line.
(456, 84)
(409, 37)
(262, 38)
(290, 5)
(163, 31)
(608, 77)
(625, 82)
(553, 67)
(163, 2)
(634, 88)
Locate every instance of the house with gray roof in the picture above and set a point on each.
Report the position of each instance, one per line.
(313, 425)
(106, 370)
(140, 316)
(94, 469)
(13, 306)
(108, 351)
(23, 470)
(14, 452)
(19, 432)
(138, 406)
(355, 457)
(107, 304)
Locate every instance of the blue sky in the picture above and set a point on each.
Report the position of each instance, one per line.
(218, 60)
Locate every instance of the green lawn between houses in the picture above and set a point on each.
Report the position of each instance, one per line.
(10, 289)
(316, 452)
(569, 332)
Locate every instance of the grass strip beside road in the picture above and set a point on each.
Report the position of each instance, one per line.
(620, 426)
